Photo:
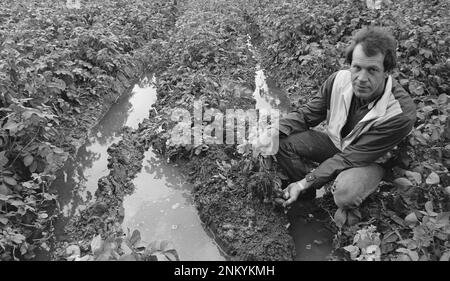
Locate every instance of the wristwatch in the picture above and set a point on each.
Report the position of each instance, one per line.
(310, 178)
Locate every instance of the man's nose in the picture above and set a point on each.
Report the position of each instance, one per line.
(363, 76)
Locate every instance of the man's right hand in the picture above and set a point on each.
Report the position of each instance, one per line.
(291, 193)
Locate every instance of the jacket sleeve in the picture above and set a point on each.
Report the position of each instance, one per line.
(365, 150)
(311, 114)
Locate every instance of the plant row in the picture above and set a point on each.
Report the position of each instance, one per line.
(60, 70)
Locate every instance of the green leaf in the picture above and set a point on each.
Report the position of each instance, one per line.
(126, 249)
(3, 159)
(135, 237)
(353, 250)
(340, 217)
(28, 160)
(414, 176)
(433, 178)
(4, 190)
(413, 255)
(96, 244)
(442, 99)
(17, 238)
(416, 88)
(404, 82)
(3, 220)
(33, 167)
(411, 218)
(403, 257)
(58, 84)
(445, 256)
(398, 220)
(390, 238)
(160, 256)
(73, 250)
(443, 218)
(10, 180)
(429, 208)
(172, 255)
(410, 243)
(12, 126)
(167, 246)
(402, 182)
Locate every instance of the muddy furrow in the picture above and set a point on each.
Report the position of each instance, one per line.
(106, 214)
(220, 74)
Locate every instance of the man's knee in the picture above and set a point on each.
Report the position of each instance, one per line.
(352, 186)
(345, 199)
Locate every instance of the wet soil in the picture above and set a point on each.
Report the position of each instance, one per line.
(136, 189)
(106, 213)
(228, 189)
(245, 227)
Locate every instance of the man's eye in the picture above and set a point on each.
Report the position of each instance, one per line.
(372, 70)
(357, 67)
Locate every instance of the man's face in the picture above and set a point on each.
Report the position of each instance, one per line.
(367, 74)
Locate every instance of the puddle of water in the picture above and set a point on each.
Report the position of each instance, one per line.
(268, 97)
(161, 208)
(312, 240)
(76, 183)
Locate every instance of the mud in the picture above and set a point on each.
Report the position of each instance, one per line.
(245, 227)
(105, 214)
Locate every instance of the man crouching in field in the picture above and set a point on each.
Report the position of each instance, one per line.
(367, 114)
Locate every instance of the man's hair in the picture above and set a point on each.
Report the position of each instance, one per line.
(374, 40)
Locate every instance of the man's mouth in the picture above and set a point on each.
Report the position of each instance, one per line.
(361, 88)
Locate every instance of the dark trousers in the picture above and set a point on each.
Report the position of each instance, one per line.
(298, 152)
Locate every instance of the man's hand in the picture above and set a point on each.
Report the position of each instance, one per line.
(267, 142)
(291, 193)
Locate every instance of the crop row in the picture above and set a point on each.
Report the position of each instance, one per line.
(60, 70)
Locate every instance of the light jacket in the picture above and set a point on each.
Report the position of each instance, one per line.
(389, 120)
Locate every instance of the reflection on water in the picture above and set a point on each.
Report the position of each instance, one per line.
(313, 242)
(267, 95)
(161, 208)
(76, 183)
